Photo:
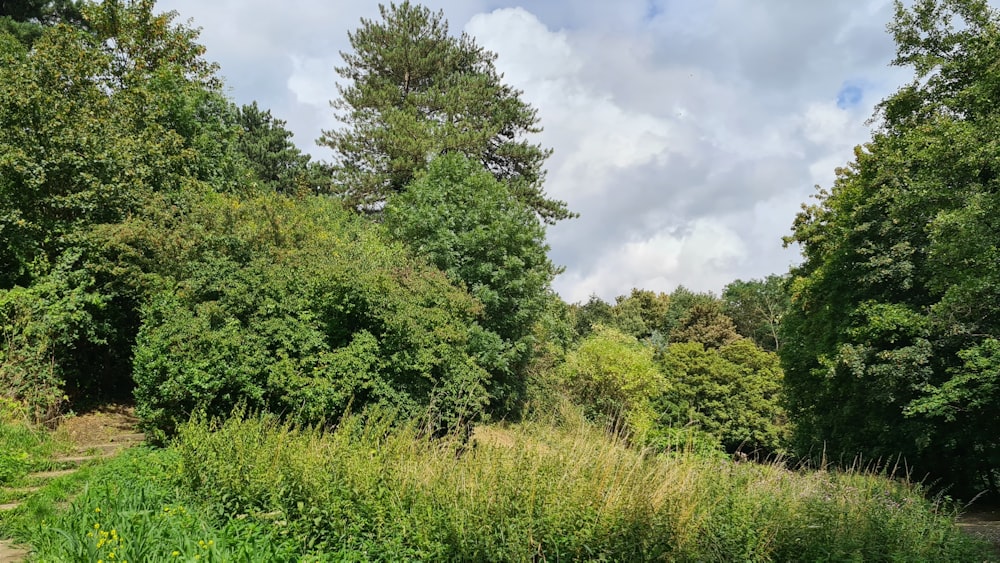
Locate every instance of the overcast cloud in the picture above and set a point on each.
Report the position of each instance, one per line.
(686, 132)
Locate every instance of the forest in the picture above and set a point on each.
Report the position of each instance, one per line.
(364, 359)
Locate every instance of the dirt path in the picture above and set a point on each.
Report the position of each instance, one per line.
(102, 433)
(983, 523)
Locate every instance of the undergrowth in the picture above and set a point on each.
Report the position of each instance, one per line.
(255, 489)
(24, 447)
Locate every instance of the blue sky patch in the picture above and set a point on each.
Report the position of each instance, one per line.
(850, 95)
(653, 9)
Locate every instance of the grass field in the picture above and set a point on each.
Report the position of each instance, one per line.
(254, 489)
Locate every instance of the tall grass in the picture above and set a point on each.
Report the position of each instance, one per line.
(23, 446)
(540, 491)
(252, 488)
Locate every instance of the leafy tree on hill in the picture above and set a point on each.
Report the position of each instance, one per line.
(94, 122)
(732, 392)
(756, 308)
(414, 91)
(293, 306)
(680, 301)
(469, 225)
(890, 344)
(97, 125)
(615, 379)
(641, 313)
(595, 311)
(706, 324)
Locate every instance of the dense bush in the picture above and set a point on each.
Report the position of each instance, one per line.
(615, 380)
(43, 327)
(473, 228)
(296, 307)
(100, 120)
(732, 392)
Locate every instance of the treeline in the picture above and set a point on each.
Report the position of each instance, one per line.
(678, 369)
(167, 245)
(162, 243)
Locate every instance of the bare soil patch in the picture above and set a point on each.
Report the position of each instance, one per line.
(104, 425)
(983, 523)
(10, 553)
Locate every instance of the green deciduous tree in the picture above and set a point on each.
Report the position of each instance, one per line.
(641, 313)
(732, 392)
(26, 19)
(698, 317)
(756, 308)
(469, 225)
(414, 91)
(595, 311)
(98, 123)
(296, 307)
(615, 379)
(95, 121)
(889, 345)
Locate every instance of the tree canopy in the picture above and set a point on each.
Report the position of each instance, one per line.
(278, 163)
(414, 91)
(469, 225)
(26, 19)
(756, 308)
(890, 343)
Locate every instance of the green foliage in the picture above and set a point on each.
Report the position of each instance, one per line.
(46, 329)
(294, 307)
(413, 90)
(704, 323)
(132, 510)
(252, 488)
(614, 378)
(756, 308)
(22, 446)
(595, 311)
(276, 161)
(895, 307)
(641, 314)
(469, 225)
(116, 128)
(94, 122)
(680, 301)
(97, 121)
(716, 389)
(732, 392)
(27, 19)
(553, 337)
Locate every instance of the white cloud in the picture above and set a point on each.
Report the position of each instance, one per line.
(686, 133)
(698, 253)
(682, 174)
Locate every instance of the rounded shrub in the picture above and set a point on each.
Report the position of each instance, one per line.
(321, 316)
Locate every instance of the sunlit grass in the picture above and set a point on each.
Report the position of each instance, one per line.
(24, 447)
(552, 491)
(255, 489)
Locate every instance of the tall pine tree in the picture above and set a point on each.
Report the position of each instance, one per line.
(413, 91)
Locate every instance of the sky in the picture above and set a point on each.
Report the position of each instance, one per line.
(686, 133)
